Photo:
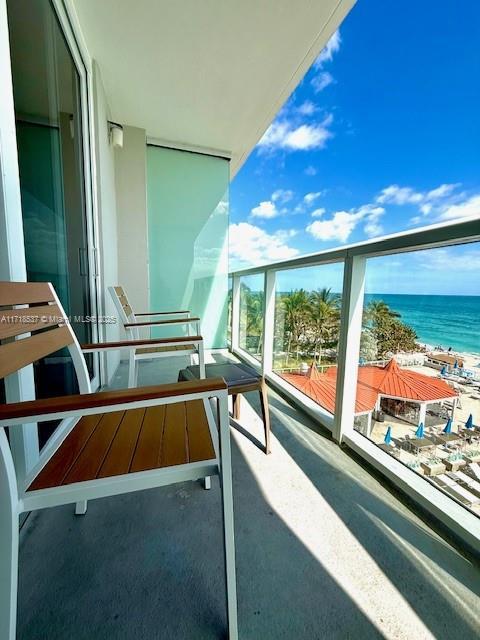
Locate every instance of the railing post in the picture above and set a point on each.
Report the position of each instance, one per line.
(235, 312)
(268, 321)
(349, 345)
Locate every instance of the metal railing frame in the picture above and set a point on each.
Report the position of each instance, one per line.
(354, 257)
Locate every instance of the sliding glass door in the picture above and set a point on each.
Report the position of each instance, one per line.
(51, 156)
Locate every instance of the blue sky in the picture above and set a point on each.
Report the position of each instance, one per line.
(383, 134)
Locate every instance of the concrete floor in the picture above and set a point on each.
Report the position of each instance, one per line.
(323, 551)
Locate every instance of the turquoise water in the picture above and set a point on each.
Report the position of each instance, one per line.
(449, 321)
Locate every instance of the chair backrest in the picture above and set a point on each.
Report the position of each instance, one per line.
(124, 309)
(33, 325)
(122, 304)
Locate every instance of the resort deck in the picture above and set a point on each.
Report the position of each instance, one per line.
(324, 550)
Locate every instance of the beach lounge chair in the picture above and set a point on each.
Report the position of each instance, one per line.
(472, 485)
(456, 491)
(107, 443)
(135, 323)
(475, 469)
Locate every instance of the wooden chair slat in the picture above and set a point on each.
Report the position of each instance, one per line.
(20, 353)
(120, 454)
(106, 445)
(54, 473)
(200, 445)
(14, 322)
(91, 458)
(175, 443)
(149, 445)
(12, 293)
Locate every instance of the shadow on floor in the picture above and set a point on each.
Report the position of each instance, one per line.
(397, 543)
(150, 565)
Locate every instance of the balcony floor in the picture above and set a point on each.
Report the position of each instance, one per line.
(323, 551)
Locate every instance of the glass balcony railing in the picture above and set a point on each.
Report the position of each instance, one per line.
(380, 341)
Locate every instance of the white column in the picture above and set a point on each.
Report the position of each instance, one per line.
(235, 311)
(423, 413)
(454, 408)
(369, 424)
(19, 386)
(268, 321)
(349, 345)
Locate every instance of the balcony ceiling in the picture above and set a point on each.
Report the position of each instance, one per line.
(209, 74)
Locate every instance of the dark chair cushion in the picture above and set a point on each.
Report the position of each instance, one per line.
(234, 374)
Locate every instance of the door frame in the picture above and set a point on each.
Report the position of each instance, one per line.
(20, 386)
(67, 18)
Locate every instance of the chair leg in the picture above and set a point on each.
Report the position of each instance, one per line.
(207, 483)
(263, 391)
(132, 371)
(9, 574)
(228, 521)
(81, 508)
(236, 405)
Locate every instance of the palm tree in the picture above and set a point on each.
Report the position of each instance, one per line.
(324, 315)
(378, 310)
(295, 306)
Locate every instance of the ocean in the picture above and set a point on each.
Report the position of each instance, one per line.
(449, 321)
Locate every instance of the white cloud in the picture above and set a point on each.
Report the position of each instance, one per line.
(342, 223)
(318, 213)
(311, 197)
(307, 108)
(443, 259)
(308, 136)
(435, 200)
(468, 209)
(265, 209)
(286, 135)
(441, 192)
(337, 228)
(399, 195)
(326, 55)
(250, 245)
(282, 195)
(310, 171)
(321, 81)
(373, 229)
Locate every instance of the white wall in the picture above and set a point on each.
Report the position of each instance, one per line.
(107, 217)
(131, 193)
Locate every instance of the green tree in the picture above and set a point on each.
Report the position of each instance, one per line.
(295, 309)
(390, 334)
(324, 316)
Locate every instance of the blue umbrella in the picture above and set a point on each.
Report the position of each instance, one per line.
(419, 431)
(469, 422)
(448, 426)
(388, 436)
(455, 366)
(443, 372)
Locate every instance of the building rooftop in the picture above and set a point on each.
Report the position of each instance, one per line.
(390, 380)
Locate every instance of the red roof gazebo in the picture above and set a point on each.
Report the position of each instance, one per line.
(374, 383)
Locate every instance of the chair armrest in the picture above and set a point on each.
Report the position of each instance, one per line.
(134, 325)
(133, 344)
(163, 313)
(104, 401)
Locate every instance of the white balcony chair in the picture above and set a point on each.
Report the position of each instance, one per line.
(134, 323)
(107, 443)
